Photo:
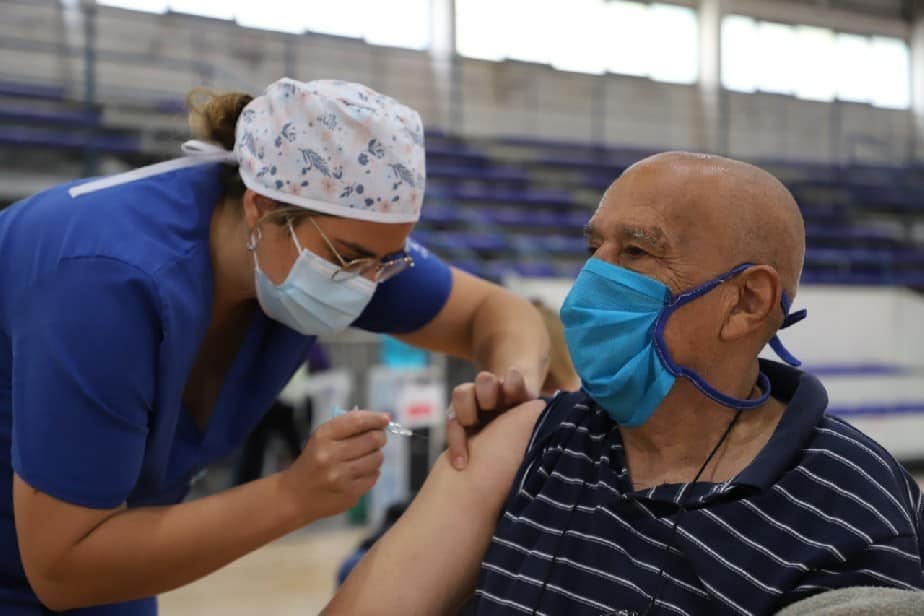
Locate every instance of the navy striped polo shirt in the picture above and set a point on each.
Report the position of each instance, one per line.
(822, 506)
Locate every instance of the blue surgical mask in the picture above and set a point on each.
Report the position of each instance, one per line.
(614, 322)
(309, 300)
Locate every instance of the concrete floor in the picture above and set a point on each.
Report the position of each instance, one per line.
(294, 575)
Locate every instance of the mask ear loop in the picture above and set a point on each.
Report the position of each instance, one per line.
(657, 335)
(294, 237)
(788, 320)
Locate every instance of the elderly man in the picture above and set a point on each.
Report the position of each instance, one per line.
(688, 477)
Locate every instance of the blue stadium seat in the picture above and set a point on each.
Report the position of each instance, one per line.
(509, 217)
(856, 234)
(459, 155)
(106, 142)
(563, 245)
(485, 174)
(171, 106)
(486, 242)
(439, 214)
(32, 115)
(602, 181)
(538, 269)
(904, 408)
(865, 369)
(38, 91)
(599, 167)
(506, 195)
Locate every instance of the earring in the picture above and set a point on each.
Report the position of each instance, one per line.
(255, 236)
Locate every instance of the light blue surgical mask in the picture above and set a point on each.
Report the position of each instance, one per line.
(614, 322)
(309, 300)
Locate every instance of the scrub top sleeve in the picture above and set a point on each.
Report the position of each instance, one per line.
(411, 299)
(84, 361)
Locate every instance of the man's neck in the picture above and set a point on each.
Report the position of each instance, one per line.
(677, 439)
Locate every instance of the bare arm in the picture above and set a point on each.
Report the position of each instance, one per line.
(439, 542)
(491, 326)
(76, 556)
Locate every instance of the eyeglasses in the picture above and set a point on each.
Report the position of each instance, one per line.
(385, 268)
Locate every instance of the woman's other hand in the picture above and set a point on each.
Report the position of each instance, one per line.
(475, 404)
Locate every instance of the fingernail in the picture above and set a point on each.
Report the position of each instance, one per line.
(459, 462)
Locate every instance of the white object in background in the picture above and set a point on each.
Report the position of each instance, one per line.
(424, 405)
(328, 390)
(388, 391)
(421, 405)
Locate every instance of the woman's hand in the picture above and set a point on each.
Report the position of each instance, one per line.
(474, 404)
(77, 557)
(339, 464)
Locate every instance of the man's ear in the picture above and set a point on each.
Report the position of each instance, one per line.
(255, 207)
(758, 295)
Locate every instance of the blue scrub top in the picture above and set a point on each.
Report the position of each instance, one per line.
(105, 299)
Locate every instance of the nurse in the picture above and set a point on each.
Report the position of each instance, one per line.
(148, 319)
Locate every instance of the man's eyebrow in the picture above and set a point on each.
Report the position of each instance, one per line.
(590, 232)
(653, 236)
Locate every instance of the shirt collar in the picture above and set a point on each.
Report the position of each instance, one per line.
(806, 400)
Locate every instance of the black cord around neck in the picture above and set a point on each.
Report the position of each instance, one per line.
(561, 537)
(671, 541)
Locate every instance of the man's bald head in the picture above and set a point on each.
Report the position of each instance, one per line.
(733, 210)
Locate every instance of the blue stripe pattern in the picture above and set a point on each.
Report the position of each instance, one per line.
(822, 506)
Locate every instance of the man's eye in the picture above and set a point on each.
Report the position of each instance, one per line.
(634, 252)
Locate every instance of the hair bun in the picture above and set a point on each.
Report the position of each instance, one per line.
(213, 117)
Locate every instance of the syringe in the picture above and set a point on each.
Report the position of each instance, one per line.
(393, 427)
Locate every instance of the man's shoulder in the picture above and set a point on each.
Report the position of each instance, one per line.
(846, 456)
(566, 409)
(838, 439)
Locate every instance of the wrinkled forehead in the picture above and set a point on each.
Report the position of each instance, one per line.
(632, 210)
(675, 207)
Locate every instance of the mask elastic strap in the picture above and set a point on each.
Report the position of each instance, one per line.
(789, 319)
(763, 383)
(783, 353)
(295, 237)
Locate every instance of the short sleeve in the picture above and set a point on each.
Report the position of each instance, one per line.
(411, 299)
(558, 409)
(84, 362)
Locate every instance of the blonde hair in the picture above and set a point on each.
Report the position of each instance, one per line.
(213, 117)
(561, 371)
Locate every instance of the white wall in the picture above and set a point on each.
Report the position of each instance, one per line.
(859, 325)
(162, 56)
